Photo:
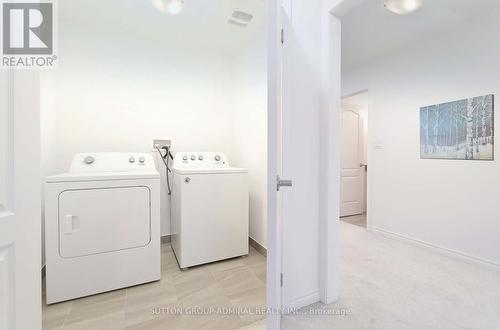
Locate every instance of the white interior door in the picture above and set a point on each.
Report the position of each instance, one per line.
(300, 125)
(20, 269)
(294, 102)
(274, 217)
(284, 24)
(352, 171)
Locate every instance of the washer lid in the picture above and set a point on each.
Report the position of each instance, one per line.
(210, 170)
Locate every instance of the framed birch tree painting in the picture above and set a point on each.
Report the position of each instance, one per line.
(458, 130)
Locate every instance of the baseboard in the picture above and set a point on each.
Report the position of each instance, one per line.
(437, 248)
(262, 250)
(166, 239)
(305, 300)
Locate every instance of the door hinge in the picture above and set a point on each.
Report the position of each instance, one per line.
(282, 36)
(282, 183)
(281, 279)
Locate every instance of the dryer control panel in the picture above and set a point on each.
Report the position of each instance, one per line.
(112, 162)
(200, 160)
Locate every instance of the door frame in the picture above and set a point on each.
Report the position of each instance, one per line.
(330, 119)
(24, 155)
(329, 224)
(7, 207)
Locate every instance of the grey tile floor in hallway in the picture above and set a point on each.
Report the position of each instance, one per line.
(389, 284)
(238, 282)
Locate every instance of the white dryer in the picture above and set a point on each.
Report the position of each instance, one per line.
(209, 209)
(102, 225)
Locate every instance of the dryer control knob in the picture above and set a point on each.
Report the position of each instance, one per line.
(89, 160)
(217, 158)
(142, 160)
(131, 160)
(185, 157)
(193, 157)
(200, 157)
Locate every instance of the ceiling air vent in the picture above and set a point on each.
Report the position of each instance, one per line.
(240, 18)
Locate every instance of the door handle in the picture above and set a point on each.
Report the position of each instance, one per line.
(72, 224)
(363, 165)
(282, 183)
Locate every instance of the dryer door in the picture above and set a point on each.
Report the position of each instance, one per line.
(95, 221)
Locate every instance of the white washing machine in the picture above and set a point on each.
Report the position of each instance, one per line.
(102, 225)
(209, 209)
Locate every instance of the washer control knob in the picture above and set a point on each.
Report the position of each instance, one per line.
(131, 160)
(142, 160)
(217, 158)
(200, 157)
(193, 157)
(89, 160)
(185, 157)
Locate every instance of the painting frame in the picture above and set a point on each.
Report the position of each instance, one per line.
(459, 130)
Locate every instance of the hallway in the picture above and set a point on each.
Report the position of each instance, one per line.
(389, 284)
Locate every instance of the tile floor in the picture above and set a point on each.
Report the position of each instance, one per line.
(389, 284)
(386, 284)
(238, 282)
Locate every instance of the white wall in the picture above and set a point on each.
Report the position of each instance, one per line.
(115, 92)
(446, 203)
(251, 130)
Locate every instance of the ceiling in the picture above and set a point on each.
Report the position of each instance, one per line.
(202, 23)
(370, 31)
